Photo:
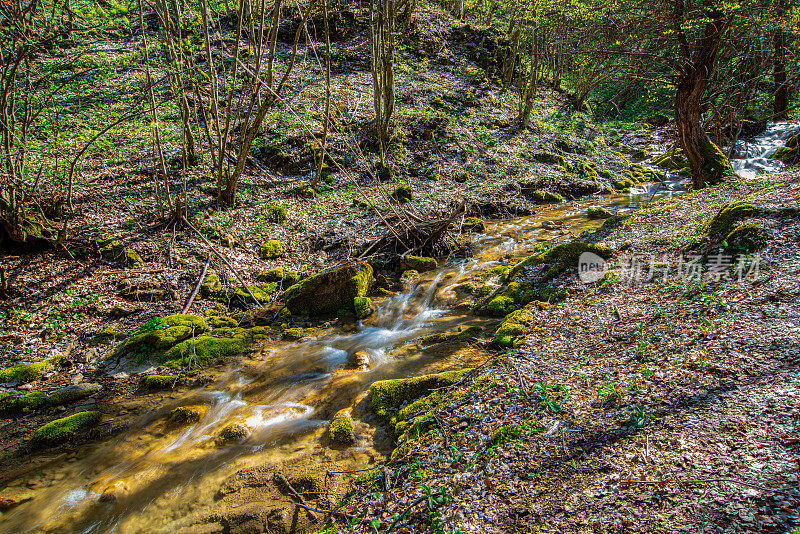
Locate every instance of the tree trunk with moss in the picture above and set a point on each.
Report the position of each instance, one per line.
(706, 160)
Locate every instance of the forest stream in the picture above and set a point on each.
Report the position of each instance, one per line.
(285, 392)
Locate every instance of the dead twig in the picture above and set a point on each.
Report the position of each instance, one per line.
(197, 287)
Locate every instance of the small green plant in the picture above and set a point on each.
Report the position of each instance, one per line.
(638, 416)
(609, 392)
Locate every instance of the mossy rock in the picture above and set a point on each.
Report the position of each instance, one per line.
(218, 321)
(62, 429)
(545, 197)
(417, 263)
(232, 433)
(290, 279)
(384, 173)
(262, 293)
(672, 160)
(624, 184)
(499, 306)
(294, 334)
(388, 396)
(72, 393)
(362, 307)
(307, 192)
(596, 212)
(185, 415)
(200, 350)
(132, 258)
(586, 170)
(511, 331)
(162, 334)
(728, 215)
(24, 401)
(657, 120)
(330, 291)
(473, 224)
(273, 275)
(277, 214)
(461, 177)
(453, 337)
(406, 277)
(108, 334)
(340, 429)
(158, 381)
(502, 435)
(211, 287)
(26, 373)
(563, 256)
(271, 249)
(402, 194)
(747, 238)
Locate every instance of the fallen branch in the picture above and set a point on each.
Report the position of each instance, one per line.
(197, 287)
(221, 256)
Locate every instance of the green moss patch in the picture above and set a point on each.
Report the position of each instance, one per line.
(418, 263)
(362, 307)
(596, 212)
(273, 275)
(184, 415)
(562, 256)
(511, 331)
(728, 215)
(158, 381)
(453, 337)
(263, 293)
(62, 429)
(290, 279)
(341, 428)
(72, 394)
(200, 350)
(545, 197)
(218, 321)
(22, 401)
(747, 238)
(330, 291)
(402, 194)
(26, 373)
(271, 249)
(388, 396)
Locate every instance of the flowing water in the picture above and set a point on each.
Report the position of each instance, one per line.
(168, 479)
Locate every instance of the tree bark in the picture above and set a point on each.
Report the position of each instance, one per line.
(781, 99)
(706, 160)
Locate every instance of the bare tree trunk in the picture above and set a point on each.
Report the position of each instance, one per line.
(383, 70)
(781, 90)
(327, 115)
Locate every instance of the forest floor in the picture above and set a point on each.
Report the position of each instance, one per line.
(665, 406)
(624, 402)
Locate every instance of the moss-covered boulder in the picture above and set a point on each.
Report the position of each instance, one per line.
(747, 238)
(473, 224)
(201, 350)
(362, 307)
(277, 213)
(22, 401)
(232, 434)
(597, 212)
(158, 335)
(511, 331)
(674, 161)
(220, 321)
(545, 197)
(271, 249)
(728, 215)
(72, 393)
(549, 158)
(330, 291)
(417, 263)
(386, 397)
(790, 152)
(262, 292)
(25, 373)
(273, 275)
(340, 429)
(402, 194)
(62, 429)
(499, 306)
(211, 287)
(562, 257)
